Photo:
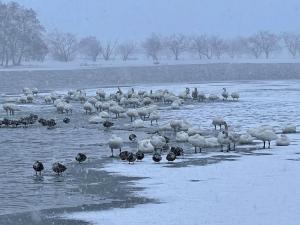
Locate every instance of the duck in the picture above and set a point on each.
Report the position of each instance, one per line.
(156, 157)
(38, 167)
(58, 168)
(139, 155)
(132, 137)
(123, 155)
(66, 120)
(178, 151)
(171, 157)
(107, 124)
(131, 157)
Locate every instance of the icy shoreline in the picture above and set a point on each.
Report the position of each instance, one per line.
(250, 190)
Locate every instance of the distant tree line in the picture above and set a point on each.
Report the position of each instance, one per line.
(23, 38)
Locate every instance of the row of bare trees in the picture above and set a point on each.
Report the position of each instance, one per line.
(64, 46)
(22, 37)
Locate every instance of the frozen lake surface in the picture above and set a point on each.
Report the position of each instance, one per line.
(216, 187)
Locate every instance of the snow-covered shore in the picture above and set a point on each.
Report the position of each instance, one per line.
(250, 190)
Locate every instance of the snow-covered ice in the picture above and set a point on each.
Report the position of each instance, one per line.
(250, 190)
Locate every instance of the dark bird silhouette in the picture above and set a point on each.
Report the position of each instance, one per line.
(58, 168)
(171, 156)
(66, 120)
(80, 157)
(123, 155)
(38, 167)
(131, 157)
(139, 155)
(156, 157)
(108, 124)
(178, 151)
(132, 137)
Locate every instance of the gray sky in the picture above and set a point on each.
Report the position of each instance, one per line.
(135, 19)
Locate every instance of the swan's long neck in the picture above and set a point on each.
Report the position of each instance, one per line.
(226, 129)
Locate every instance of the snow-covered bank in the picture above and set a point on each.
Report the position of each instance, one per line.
(113, 76)
(251, 190)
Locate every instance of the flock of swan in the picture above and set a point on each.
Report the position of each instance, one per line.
(142, 109)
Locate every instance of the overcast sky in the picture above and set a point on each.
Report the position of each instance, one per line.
(135, 19)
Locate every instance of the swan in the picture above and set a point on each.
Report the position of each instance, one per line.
(138, 123)
(176, 125)
(235, 96)
(132, 113)
(145, 146)
(224, 139)
(88, 107)
(197, 141)
(246, 139)
(289, 128)
(96, 119)
(175, 105)
(158, 142)
(218, 121)
(155, 115)
(182, 136)
(47, 99)
(283, 140)
(225, 94)
(115, 143)
(265, 135)
(194, 130)
(212, 142)
(213, 97)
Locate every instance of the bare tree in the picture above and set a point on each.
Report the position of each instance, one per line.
(108, 49)
(292, 43)
(63, 46)
(20, 34)
(234, 47)
(201, 44)
(253, 46)
(217, 46)
(176, 43)
(90, 47)
(126, 49)
(263, 42)
(152, 46)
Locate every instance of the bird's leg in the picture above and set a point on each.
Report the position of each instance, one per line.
(195, 149)
(120, 150)
(221, 148)
(215, 127)
(269, 144)
(234, 146)
(112, 152)
(220, 127)
(228, 147)
(151, 122)
(40, 173)
(264, 145)
(200, 149)
(36, 173)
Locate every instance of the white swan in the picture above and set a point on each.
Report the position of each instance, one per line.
(197, 141)
(115, 143)
(289, 128)
(283, 140)
(145, 146)
(182, 136)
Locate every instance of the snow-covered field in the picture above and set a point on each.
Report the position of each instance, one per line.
(250, 190)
